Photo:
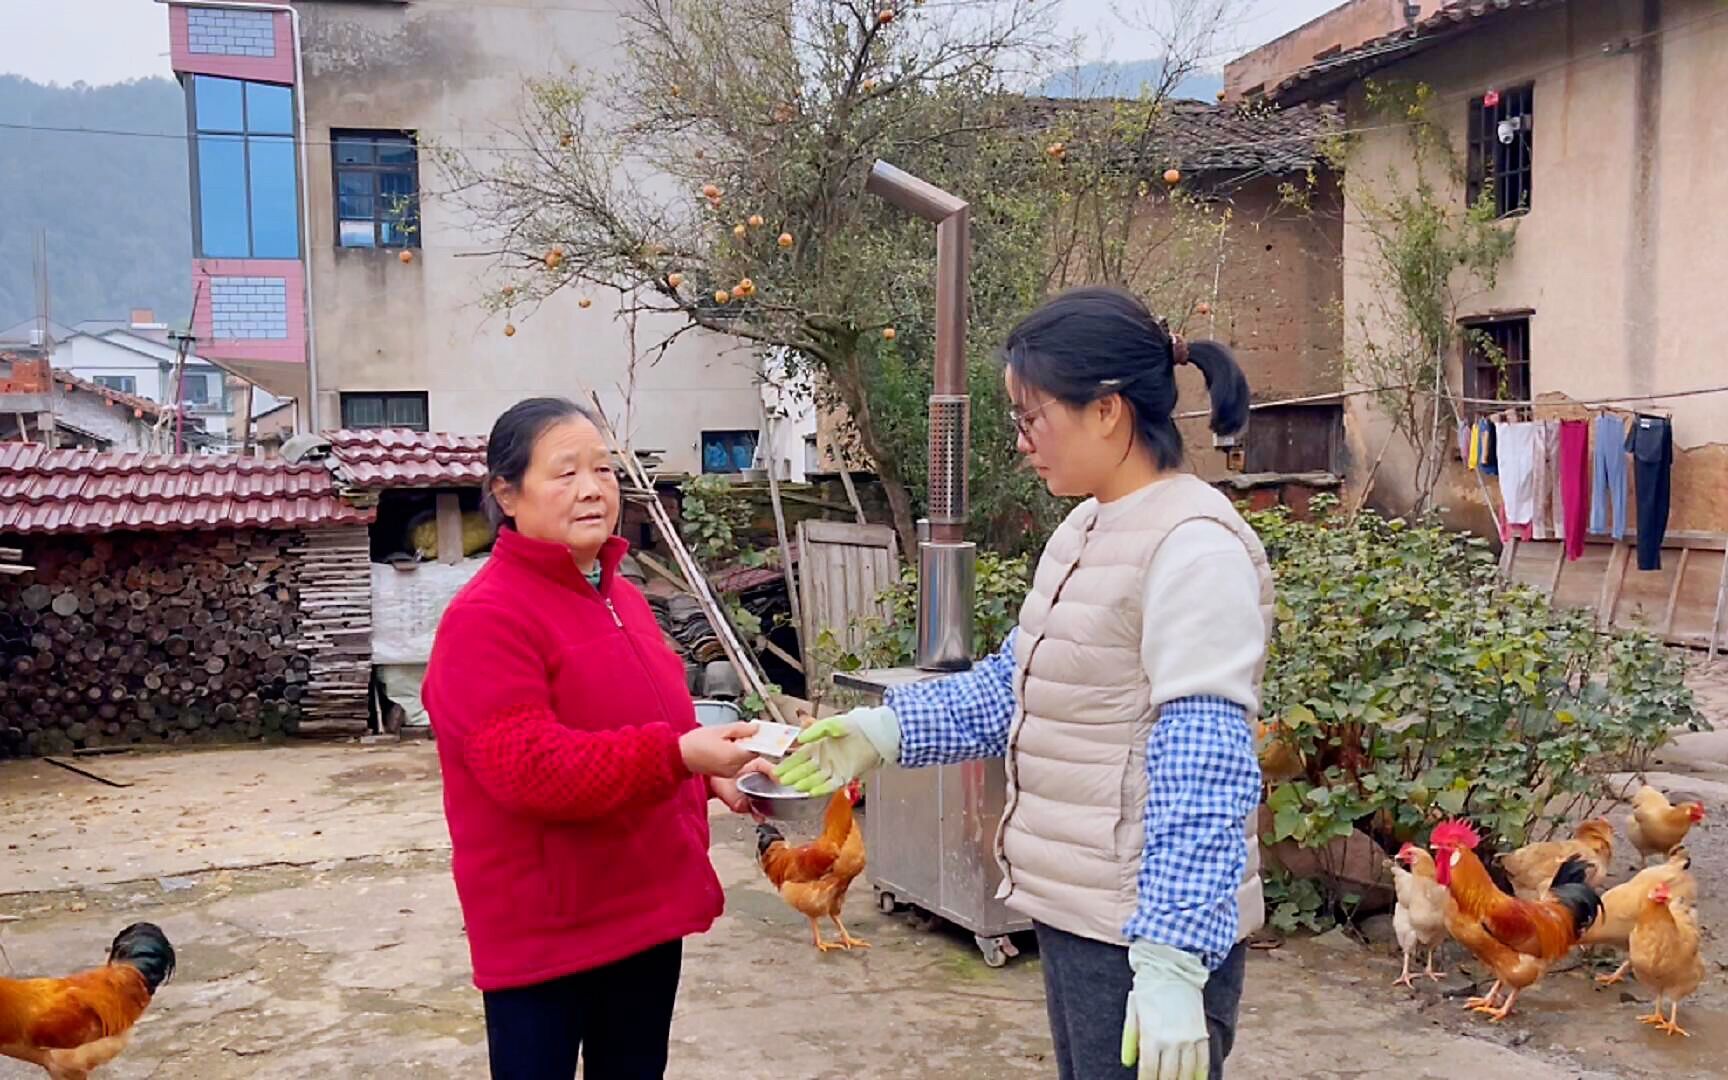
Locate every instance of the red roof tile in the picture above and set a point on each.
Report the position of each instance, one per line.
(398, 458)
(52, 491)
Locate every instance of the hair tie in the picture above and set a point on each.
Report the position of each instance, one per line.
(1178, 349)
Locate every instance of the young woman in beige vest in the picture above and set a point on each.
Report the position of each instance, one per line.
(1123, 703)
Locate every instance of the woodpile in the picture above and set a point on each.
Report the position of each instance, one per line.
(173, 637)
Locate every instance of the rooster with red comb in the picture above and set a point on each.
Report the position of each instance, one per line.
(1518, 939)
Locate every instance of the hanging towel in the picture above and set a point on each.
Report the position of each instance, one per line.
(1575, 483)
(1652, 445)
(1464, 443)
(1518, 444)
(1490, 462)
(1473, 458)
(1608, 476)
(1541, 482)
(1556, 506)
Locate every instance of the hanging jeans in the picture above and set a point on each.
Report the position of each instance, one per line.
(1652, 446)
(1609, 476)
(1575, 483)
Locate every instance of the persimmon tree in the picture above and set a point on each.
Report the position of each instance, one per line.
(718, 176)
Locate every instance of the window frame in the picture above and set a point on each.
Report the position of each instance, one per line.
(348, 399)
(409, 223)
(754, 434)
(1483, 376)
(244, 136)
(1487, 157)
(106, 382)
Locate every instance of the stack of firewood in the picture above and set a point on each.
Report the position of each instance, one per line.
(141, 637)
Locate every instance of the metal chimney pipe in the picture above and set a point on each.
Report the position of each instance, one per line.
(947, 562)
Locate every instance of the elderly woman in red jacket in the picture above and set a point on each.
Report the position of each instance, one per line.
(576, 779)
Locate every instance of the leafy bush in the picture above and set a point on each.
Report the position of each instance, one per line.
(1415, 686)
(1002, 584)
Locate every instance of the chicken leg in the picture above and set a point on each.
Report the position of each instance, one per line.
(1505, 1010)
(1405, 978)
(1431, 973)
(1619, 975)
(1487, 1002)
(816, 938)
(847, 941)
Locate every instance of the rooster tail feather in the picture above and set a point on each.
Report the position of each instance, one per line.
(1574, 871)
(1581, 903)
(144, 946)
(766, 837)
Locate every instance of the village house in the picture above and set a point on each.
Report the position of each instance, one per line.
(328, 270)
(139, 356)
(1611, 293)
(39, 404)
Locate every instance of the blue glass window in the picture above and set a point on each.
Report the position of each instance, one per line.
(248, 185)
(377, 188)
(728, 451)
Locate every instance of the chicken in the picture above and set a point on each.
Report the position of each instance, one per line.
(1664, 948)
(1532, 866)
(1622, 903)
(1657, 825)
(72, 1025)
(1420, 917)
(1518, 939)
(813, 879)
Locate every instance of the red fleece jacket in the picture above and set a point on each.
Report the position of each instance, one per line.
(578, 836)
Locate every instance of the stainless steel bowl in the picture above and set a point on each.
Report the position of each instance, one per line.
(711, 713)
(777, 802)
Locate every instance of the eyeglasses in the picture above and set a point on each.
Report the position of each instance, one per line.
(1023, 420)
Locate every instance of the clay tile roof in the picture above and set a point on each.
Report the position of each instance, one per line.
(117, 398)
(1327, 76)
(1199, 137)
(70, 491)
(400, 458)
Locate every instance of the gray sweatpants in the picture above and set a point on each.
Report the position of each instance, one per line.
(1086, 985)
(1608, 476)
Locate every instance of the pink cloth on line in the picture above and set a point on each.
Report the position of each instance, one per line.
(1575, 483)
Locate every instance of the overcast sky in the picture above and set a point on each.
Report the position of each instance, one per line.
(104, 41)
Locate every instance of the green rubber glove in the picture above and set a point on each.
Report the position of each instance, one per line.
(1165, 1027)
(841, 749)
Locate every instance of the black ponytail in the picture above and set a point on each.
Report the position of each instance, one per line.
(1091, 342)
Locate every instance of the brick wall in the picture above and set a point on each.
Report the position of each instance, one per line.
(212, 31)
(249, 308)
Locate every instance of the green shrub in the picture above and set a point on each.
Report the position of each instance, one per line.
(1415, 686)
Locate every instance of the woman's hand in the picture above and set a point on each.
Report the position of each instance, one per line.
(714, 751)
(729, 795)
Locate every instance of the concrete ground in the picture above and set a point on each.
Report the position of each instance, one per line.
(307, 891)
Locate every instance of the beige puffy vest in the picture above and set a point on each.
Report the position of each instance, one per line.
(1073, 832)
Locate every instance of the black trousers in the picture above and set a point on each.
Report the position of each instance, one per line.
(1652, 446)
(617, 1018)
(1086, 985)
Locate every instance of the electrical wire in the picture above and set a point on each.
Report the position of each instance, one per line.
(1359, 391)
(1671, 32)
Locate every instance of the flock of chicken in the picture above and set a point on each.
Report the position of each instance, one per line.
(1555, 906)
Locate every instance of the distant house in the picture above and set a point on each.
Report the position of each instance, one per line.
(137, 356)
(66, 412)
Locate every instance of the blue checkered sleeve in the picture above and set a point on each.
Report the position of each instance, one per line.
(959, 717)
(1203, 780)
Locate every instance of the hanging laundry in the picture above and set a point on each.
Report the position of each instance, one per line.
(1487, 461)
(1473, 459)
(1551, 454)
(1651, 443)
(1541, 482)
(1575, 483)
(1517, 445)
(1608, 476)
(1464, 443)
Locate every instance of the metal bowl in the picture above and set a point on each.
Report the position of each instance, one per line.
(711, 713)
(777, 802)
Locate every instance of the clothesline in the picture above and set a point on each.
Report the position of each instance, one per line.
(1339, 395)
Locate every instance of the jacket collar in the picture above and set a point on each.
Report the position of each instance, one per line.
(554, 561)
